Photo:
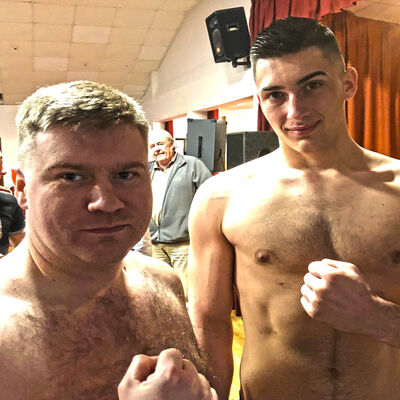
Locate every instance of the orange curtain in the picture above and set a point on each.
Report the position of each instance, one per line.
(373, 48)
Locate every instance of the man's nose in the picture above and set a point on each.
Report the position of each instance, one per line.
(104, 198)
(296, 108)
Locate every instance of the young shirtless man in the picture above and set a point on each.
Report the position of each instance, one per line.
(73, 310)
(309, 234)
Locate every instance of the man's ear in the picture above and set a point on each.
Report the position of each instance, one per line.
(20, 188)
(350, 83)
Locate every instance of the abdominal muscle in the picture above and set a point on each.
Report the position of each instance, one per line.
(287, 355)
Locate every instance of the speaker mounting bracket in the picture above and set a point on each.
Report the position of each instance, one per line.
(235, 62)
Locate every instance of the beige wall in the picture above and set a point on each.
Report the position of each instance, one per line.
(8, 134)
(188, 78)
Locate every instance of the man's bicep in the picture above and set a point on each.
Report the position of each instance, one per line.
(210, 259)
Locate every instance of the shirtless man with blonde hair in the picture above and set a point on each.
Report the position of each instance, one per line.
(75, 307)
(308, 234)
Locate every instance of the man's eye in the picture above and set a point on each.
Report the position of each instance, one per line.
(273, 95)
(313, 85)
(124, 175)
(71, 176)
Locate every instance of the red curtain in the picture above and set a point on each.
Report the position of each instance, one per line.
(213, 114)
(263, 12)
(372, 47)
(169, 126)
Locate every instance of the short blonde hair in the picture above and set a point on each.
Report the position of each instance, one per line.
(77, 105)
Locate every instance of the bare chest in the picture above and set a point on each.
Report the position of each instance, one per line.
(58, 354)
(281, 231)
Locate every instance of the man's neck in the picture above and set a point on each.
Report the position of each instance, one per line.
(68, 284)
(344, 155)
(162, 167)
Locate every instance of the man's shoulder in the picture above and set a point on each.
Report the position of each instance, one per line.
(16, 303)
(16, 314)
(138, 261)
(138, 266)
(234, 179)
(392, 163)
(154, 277)
(8, 198)
(381, 162)
(11, 306)
(12, 268)
(188, 160)
(187, 157)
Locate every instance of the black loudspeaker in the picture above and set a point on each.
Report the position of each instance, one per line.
(246, 146)
(229, 35)
(206, 140)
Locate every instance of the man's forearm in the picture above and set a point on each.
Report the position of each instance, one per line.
(220, 376)
(218, 348)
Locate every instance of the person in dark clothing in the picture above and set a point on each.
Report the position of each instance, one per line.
(12, 222)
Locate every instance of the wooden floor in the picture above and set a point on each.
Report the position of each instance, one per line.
(238, 340)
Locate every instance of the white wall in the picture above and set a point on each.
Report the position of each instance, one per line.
(241, 120)
(188, 78)
(8, 134)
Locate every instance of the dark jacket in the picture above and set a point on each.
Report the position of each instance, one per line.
(12, 219)
(187, 174)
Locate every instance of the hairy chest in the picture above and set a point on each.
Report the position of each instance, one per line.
(84, 354)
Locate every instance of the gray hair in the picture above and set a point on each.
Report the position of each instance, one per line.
(77, 105)
(158, 132)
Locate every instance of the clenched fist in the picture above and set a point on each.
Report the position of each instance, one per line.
(336, 293)
(164, 377)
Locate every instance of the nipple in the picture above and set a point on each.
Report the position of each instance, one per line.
(262, 256)
(396, 256)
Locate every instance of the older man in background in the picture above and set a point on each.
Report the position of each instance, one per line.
(175, 179)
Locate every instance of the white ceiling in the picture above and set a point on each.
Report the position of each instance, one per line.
(118, 42)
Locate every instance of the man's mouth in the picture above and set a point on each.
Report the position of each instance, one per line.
(106, 229)
(301, 130)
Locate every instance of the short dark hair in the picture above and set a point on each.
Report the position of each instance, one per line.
(291, 35)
